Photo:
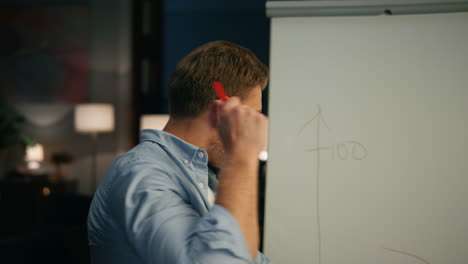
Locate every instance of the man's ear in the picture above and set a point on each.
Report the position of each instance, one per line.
(214, 113)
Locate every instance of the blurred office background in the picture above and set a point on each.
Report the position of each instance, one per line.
(63, 59)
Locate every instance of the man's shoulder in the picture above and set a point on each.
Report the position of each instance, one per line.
(145, 153)
(144, 157)
(140, 169)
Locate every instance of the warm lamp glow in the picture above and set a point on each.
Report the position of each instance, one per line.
(153, 121)
(43, 114)
(34, 153)
(94, 118)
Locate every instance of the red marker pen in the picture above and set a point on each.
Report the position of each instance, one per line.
(220, 91)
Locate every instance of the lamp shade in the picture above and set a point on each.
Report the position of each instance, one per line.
(34, 153)
(94, 118)
(153, 121)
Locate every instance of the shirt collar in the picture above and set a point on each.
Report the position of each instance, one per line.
(213, 178)
(183, 150)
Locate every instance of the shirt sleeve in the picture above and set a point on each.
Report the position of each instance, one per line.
(164, 228)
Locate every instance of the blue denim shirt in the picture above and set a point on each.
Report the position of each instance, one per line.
(152, 207)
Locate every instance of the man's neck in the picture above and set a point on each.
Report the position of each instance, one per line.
(193, 131)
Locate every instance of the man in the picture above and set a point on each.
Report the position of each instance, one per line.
(155, 204)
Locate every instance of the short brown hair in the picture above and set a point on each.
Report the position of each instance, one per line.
(236, 67)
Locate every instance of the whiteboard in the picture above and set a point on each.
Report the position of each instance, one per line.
(368, 151)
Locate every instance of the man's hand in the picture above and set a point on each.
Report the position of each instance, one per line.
(242, 129)
(243, 132)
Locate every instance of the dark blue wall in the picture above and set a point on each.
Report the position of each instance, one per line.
(188, 24)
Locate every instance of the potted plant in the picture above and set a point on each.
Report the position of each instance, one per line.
(11, 140)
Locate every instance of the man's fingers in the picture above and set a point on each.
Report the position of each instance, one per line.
(231, 103)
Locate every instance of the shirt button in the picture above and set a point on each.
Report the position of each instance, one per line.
(200, 155)
(186, 162)
(201, 185)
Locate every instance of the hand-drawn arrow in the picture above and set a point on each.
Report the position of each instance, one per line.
(407, 254)
(318, 117)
